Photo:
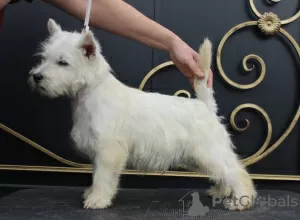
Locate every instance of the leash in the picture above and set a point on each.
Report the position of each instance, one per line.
(86, 20)
(87, 16)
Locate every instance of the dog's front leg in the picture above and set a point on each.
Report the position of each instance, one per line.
(109, 162)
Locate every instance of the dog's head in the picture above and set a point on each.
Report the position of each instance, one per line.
(69, 61)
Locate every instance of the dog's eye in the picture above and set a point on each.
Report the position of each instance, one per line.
(62, 63)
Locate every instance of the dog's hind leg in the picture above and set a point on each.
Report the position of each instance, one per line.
(224, 168)
(219, 190)
(109, 162)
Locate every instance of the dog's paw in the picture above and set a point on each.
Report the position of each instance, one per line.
(213, 191)
(239, 204)
(87, 192)
(219, 191)
(95, 201)
(242, 202)
(232, 206)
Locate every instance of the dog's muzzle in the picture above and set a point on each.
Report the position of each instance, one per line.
(37, 78)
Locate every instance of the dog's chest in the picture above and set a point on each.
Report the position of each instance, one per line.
(82, 132)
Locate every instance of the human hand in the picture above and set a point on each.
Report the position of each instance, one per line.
(210, 79)
(185, 59)
(3, 3)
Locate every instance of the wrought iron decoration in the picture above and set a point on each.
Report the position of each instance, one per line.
(269, 24)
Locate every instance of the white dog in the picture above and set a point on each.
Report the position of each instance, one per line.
(119, 126)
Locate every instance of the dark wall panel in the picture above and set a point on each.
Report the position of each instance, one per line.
(278, 94)
(49, 122)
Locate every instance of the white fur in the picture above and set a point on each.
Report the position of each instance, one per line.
(119, 126)
(204, 61)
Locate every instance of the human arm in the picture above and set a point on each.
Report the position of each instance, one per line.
(118, 17)
(3, 3)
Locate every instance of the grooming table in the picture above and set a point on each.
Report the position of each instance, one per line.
(63, 203)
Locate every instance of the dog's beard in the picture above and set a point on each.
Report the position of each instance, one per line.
(45, 88)
(44, 92)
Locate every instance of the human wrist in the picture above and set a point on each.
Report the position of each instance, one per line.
(171, 42)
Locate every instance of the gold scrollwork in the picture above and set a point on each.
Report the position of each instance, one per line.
(286, 21)
(155, 70)
(250, 159)
(269, 24)
(42, 149)
(251, 56)
(265, 150)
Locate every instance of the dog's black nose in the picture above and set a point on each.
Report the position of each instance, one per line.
(37, 77)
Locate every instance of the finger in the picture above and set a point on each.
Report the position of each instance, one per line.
(195, 54)
(187, 74)
(191, 81)
(195, 69)
(210, 80)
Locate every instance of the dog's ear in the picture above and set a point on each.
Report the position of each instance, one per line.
(53, 27)
(88, 44)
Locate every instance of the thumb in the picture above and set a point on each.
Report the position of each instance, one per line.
(210, 79)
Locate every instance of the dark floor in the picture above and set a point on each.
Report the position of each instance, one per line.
(145, 197)
(140, 182)
(64, 203)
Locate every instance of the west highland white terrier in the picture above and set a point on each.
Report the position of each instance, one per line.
(119, 126)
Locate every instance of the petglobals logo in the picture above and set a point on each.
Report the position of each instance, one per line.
(285, 201)
(268, 201)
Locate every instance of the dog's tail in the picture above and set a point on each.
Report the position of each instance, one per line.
(204, 62)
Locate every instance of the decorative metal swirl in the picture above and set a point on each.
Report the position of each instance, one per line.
(250, 159)
(251, 56)
(42, 149)
(286, 21)
(155, 70)
(268, 23)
